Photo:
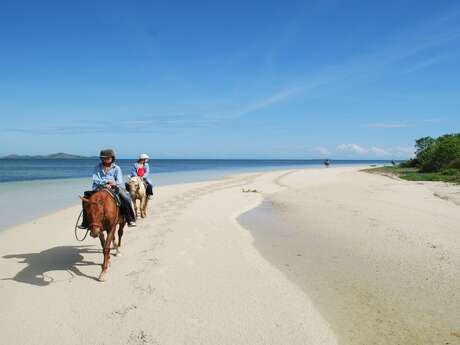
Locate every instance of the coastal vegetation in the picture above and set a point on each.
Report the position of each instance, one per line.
(436, 159)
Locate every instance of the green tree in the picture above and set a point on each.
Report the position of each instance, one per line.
(423, 143)
(438, 154)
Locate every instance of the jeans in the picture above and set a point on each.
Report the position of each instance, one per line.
(126, 204)
(149, 186)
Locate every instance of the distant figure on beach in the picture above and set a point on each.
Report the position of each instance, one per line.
(393, 162)
(249, 190)
(142, 169)
(327, 163)
(108, 175)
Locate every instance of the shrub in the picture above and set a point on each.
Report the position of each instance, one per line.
(411, 163)
(450, 172)
(455, 164)
(435, 155)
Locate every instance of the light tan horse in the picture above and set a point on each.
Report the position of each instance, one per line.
(138, 192)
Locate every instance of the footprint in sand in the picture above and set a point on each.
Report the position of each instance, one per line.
(123, 311)
(141, 338)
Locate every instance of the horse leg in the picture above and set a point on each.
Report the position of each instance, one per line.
(141, 206)
(102, 239)
(115, 245)
(144, 206)
(106, 251)
(135, 206)
(120, 235)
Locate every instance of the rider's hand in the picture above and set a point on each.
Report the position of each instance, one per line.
(112, 183)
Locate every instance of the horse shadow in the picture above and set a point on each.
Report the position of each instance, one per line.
(62, 258)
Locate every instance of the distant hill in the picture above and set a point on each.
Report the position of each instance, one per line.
(60, 155)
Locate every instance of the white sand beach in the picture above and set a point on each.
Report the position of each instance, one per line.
(371, 259)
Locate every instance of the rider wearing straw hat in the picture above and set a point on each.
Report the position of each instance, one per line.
(142, 169)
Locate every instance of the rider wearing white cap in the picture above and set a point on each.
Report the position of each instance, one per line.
(142, 169)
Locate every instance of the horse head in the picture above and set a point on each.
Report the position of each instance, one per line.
(94, 210)
(134, 183)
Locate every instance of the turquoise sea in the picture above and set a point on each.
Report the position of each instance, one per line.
(30, 188)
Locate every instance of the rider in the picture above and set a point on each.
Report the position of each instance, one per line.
(107, 174)
(142, 169)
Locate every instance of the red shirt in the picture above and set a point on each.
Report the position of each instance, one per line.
(140, 171)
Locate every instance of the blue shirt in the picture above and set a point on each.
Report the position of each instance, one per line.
(100, 177)
(146, 169)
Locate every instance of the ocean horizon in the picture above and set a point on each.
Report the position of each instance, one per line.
(13, 170)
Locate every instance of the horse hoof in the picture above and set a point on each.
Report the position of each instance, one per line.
(118, 253)
(102, 277)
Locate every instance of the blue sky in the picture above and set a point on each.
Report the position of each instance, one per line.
(228, 79)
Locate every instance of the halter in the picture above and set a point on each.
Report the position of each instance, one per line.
(101, 224)
(103, 218)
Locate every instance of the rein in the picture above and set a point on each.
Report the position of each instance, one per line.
(103, 219)
(76, 228)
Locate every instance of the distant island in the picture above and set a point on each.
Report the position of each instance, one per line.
(59, 155)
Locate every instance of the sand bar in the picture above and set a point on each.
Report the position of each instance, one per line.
(189, 274)
(379, 257)
(371, 260)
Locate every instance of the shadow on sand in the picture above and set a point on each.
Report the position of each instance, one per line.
(62, 258)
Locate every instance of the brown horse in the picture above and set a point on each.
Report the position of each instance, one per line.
(103, 215)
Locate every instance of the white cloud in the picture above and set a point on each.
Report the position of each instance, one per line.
(302, 150)
(428, 63)
(269, 101)
(387, 125)
(319, 150)
(432, 120)
(148, 124)
(351, 148)
(376, 152)
(403, 151)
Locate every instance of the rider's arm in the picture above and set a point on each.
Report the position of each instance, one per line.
(146, 170)
(97, 179)
(118, 176)
(134, 170)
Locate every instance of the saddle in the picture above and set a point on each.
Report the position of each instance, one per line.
(112, 193)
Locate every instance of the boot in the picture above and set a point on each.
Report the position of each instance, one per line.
(84, 222)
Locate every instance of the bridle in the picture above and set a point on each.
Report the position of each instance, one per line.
(94, 224)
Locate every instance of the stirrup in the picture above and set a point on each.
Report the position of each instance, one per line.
(81, 226)
(132, 224)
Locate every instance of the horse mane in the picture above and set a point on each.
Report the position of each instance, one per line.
(104, 189)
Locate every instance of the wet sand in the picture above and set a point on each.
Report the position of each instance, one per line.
(378, 257)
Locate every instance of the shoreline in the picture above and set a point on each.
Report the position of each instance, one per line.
(186, 275)
(192, 272)
(69, 188)
(47, 196)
